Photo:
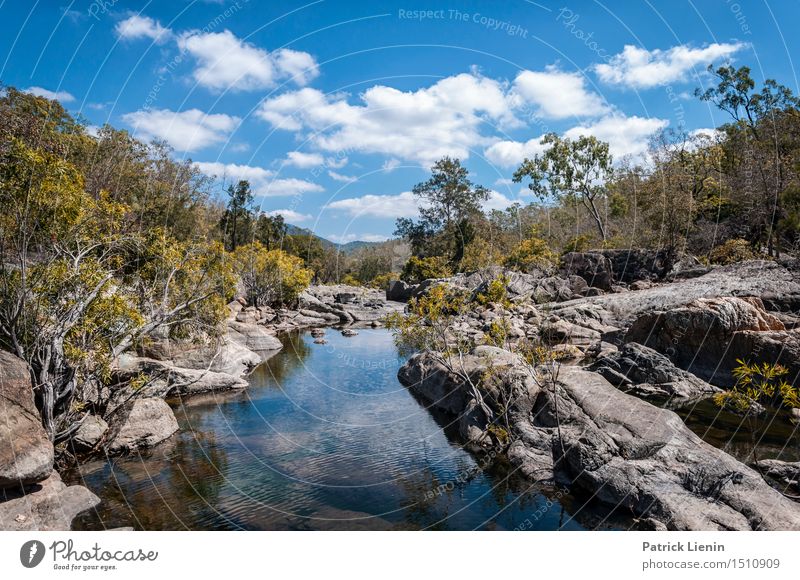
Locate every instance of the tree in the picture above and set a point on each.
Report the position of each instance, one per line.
(570, 168)
(270, 277)
(762, 142)
(270, 230)
(77, 288)
(448, 203)
(236, 220)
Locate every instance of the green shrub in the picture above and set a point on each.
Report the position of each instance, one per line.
(531, 253)
(732, 251)
(418, 269)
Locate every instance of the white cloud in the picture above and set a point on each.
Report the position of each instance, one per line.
(262, 181)
(557, 94)
(346, 238)
(303, 160)
(625, 135)
(504, 182)
(380, 206)
(343, 178)
(62, 96)
(189, 130)
(290, 186)
(137, 26)
(424, 125)
(639, 68)
(512, 153)
(497, 201)
(225, 61)
(289, 215)
(336, 162)
(232, 172)
(390, 165)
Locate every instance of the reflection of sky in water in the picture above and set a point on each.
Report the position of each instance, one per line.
(325, 438)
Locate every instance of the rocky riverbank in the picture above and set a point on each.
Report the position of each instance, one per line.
(630, 346)
(131, 413)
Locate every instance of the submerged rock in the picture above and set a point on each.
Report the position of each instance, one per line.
(26, 453)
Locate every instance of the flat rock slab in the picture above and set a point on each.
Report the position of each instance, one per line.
(47, 506)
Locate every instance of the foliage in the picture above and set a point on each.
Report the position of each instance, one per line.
(237, 219)
(531, 254)
(270, 277)
(759, 383)
(381, 281)
(448, 203)
(418, 269)
(495, 293)
(732, 251)
(571, 169)
(351, 280)
(477, 255)
(580, 243)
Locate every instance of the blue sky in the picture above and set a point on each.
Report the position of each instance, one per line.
(334, 110)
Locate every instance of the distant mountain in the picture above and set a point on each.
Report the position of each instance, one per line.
(347, 248)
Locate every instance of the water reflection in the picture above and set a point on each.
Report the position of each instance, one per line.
(324, 438)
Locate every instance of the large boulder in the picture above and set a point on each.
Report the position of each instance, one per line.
(633, 264)
(647, 374)
(254, 337)
(572, 426)
(140, 424)
(777, 285)
(785, 474)
(26, 453)
(628, 453)
(89, 434)
(593, 267)
(697, 336)
(399, 291)
(50, 505)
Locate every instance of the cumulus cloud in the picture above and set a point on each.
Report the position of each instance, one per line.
(189, 130)
(303, 160)
(225, 61)
(289, 215)
(512, 153)
(639, 68)
(557, 94)
(380, 206)
(625, 135)
(262, 181)
(425, 125)
(62, 96)
(138, 26)
(343, 178)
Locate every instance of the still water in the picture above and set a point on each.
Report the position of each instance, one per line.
(325, 437)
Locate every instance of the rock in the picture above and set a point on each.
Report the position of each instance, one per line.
(349, 332)
(558, 331)
(345, 297)
(784, 473)
(139, 424)
(627, 453)
(317, 332)
(249, 315)
(576, 429)
(593, 267)
(495, 369)
(349, 303)
(320, 341)
(399, 291)
(645, 373)
(26, 453)
(254, 337)
(632, 265)
(776, 284)
(46, 506)
(697, 336)
(165, 379)
(89, 434)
